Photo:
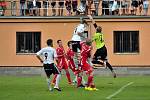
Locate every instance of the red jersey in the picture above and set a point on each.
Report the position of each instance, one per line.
(71, 64)
(85, 51)
(70, 54)
(61, 58)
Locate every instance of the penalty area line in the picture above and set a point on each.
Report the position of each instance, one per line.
(118, 91)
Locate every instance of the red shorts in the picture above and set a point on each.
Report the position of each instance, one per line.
(62, 64)
(86, 67)
(71, 65)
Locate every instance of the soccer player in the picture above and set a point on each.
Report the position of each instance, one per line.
(78, 35)
(85, 66)
(47, 56)
(62, 64)
(70, 59)
(101, 52)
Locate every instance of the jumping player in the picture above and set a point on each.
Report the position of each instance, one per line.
(101, 52)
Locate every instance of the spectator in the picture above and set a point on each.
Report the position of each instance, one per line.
(30, 7)
(110, 6)
(105, 7)
(35, 7)
(82, 8)
(53, 4)
(74, 6)
(89, 4)
(38, 3)
(45, 6)
(145, 6)
(96, 5)
(140, 6)
(127, 7)
(13, 7)
(3, 7)
(115, 9)
(68, 7)
(123, 6)
(134, 6)
(22, 7)
(60, 8)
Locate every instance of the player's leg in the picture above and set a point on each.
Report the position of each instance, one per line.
(111, 69)
(106, 63)
(72, 66)
(54, 79)
(89, 71)
(65, 67)
(96, 56)
(68, 76)
(56, 72)
(48, 73)
(80, 79)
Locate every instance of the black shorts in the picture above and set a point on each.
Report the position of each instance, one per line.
(74, 5)
(38, 4)
(53, 4)
(51, 69)
(101, 54)
(76, 46)
(61, 4)
(135, 4)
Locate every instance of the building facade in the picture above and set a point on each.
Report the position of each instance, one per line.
(127, 38)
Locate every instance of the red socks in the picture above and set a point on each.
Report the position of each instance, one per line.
(79, 80)
(90, 80)
(68, 77)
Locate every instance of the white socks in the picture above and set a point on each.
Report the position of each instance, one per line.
(57, 81)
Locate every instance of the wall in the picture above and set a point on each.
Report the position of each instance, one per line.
(63, 29)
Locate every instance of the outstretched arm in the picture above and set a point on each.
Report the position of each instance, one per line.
(93, 22)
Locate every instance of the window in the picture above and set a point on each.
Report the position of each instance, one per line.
(28, 42)
(126, 41)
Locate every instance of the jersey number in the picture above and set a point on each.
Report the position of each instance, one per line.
(46, 55)
(101, 39)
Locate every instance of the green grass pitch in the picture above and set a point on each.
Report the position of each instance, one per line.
(35, 88)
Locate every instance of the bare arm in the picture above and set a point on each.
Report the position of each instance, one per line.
(93, 22)
(39, 58)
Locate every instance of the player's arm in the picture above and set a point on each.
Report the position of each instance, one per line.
(55, 56)
(38, 55)
(59, 53)
(40, 59)
(93, 22)
(80, 34)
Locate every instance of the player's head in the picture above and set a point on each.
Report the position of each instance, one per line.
(50, 42)
(88, 42)
(69, 43)
(59, 42)
(83, 21)
(99, 29)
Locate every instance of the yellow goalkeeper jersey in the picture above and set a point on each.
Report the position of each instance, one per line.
(99, 40)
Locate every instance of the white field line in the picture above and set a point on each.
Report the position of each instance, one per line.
(120, 90)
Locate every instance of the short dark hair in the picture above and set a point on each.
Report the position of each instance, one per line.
(83, 21)
(49, 42)
(69, 42)
(99, 29)
(58, 41)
